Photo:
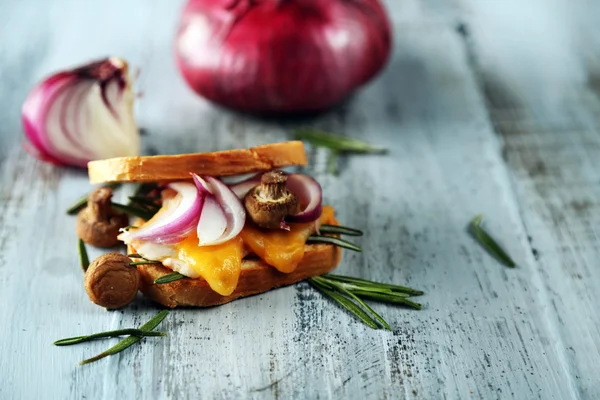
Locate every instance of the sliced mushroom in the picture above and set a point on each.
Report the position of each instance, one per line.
(98, 224)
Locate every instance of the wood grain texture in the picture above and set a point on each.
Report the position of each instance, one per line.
(467, 135)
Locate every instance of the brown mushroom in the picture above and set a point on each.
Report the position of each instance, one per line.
(98, 224)
(268, 203)
(111, 281)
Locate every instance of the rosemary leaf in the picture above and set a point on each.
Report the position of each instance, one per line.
(352, 287)
(134, 256)
(131, 340)
(175, 276)
(340, 287)
(144, 262)
(128, 227)
(84, 260)
(134, 211)
(344, 302)
(489, 244)
(387, 298)
(82, 202)
(337, 143)
(339, 229)
(367, 283)
(108, 334)
(333, 240)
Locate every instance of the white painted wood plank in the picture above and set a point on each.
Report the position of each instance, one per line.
(485, 331)
(547, 110)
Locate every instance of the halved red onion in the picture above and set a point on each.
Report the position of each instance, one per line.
(82, 114)
(177, 218)
(223, 215)
(309, 194)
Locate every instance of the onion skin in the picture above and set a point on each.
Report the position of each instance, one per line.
(281, 56)
(82, 114)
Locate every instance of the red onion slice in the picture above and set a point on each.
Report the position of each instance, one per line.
(309, 194)
(176, 220)
(242, 188)
(307, 190)
(223, 215)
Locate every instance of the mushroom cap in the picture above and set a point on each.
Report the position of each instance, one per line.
(269, 213)
(100, 233)
(111, 281)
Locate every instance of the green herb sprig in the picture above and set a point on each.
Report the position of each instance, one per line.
(145, 262)
(333, 240)
(488, 243)
(134, 211)
(339, 229)
(350, 293)
(84, 260)
(131, 340)
(82, 202)
(107, 334)
(175, 276)
(338, 145)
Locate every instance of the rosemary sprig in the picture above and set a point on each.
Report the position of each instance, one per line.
(350, 293)
(333, 240)
(344, 302)
(129, 341)
(341, 288)
(338, 143)
(84, 260)
(82, 202)
(134, 211)
(339, 229)
(393, 298)
(489, 244)
(175, 276)
(376, 285)
(108, 334)
(144, 262)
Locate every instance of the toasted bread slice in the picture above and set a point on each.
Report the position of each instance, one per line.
(256, 277)
(178, 167)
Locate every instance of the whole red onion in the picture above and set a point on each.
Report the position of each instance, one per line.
(271, 56)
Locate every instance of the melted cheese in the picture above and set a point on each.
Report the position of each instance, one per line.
(282, 249)
(220, 265)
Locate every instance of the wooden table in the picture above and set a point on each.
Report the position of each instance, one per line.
(486, 108)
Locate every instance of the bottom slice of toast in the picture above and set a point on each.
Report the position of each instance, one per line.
(256, 277)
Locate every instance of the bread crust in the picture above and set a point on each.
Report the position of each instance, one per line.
(256, 277)
(178, 167)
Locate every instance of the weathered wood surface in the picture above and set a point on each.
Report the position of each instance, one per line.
(485, 108)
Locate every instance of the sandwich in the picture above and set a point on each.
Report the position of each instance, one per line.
(212, 236)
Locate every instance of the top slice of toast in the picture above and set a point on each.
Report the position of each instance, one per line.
(178, 167)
